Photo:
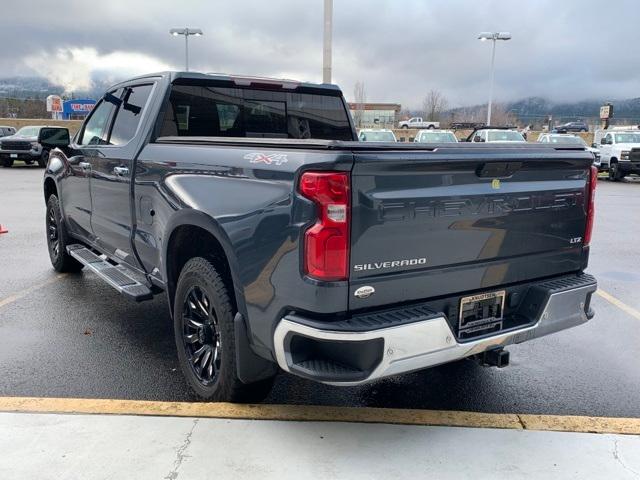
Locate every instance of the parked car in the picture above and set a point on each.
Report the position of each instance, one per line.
(376, 135)
(418, 122)
(619, 152)
(23, 145)
(496, 135)
(435, 136)
(568, 139)
(6, 131)
(578, 126)
(281, 241)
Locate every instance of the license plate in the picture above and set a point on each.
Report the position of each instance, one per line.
(14, 155)
(481, 311)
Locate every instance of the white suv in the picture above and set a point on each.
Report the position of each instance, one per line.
(376, 135)
(435, 136)
(569, 139)
(490, 135)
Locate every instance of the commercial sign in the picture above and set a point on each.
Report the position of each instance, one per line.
(81, 107)
(54, 103)
(77, 107)
(606, 111)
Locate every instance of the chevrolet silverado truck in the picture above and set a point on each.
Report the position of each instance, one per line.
(283, 243)
(23, 145)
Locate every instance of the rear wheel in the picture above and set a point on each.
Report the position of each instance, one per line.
(205, 336)
(431, 127)
(7, 162)
(406, 127)
(58, 239)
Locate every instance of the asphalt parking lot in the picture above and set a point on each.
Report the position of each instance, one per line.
(72, 336)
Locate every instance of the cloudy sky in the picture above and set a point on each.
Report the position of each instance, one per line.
(562, 50)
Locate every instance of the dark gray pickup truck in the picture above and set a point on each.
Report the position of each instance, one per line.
(281, 242)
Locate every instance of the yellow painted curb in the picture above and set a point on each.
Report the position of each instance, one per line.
(304, 413)
(259, 412)
(561, 423)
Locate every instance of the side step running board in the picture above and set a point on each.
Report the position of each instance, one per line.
(116, 276)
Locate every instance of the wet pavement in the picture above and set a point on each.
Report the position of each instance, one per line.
(76, 337)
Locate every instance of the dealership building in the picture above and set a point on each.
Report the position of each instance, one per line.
(375, 115)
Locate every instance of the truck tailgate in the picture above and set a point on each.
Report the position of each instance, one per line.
(430, 223)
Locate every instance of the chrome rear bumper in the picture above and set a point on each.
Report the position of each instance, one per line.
(348, 354)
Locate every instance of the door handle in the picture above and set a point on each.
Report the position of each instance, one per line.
(84, 165)
(120, 171)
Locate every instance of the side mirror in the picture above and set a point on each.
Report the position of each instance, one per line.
(603, 141)
(52, 137)
(477, 138)
(594, 145)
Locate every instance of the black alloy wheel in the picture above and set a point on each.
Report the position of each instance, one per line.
(53, 238)
(201, 336)
(58, 239)
(204, 330)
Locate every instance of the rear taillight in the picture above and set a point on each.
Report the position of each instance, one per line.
(326, 243)
(591, 197)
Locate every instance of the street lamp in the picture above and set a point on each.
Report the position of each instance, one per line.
(493, 36)
(186, 32)
(327, 41)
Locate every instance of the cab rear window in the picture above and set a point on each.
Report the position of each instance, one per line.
(215, 111)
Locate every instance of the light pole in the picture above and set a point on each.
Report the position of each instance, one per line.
(493, 36)
(326, 50)
(186, 32)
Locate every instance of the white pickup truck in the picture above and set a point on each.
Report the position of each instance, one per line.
(619, 152)
(418, 122)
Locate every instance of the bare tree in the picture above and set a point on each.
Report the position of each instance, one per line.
(433, 105)
(501, 116)
(359, 98)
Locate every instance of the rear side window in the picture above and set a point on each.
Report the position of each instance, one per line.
(200, 110)
(129, 113)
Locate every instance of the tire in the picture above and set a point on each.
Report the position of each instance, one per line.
(58, 239)
(615, 175)
(431, 127)
(205, 337)
(406, 127)
(583, 130)
(7, 162)
(43, 159)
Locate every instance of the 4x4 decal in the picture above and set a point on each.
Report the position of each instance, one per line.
(267, 159)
